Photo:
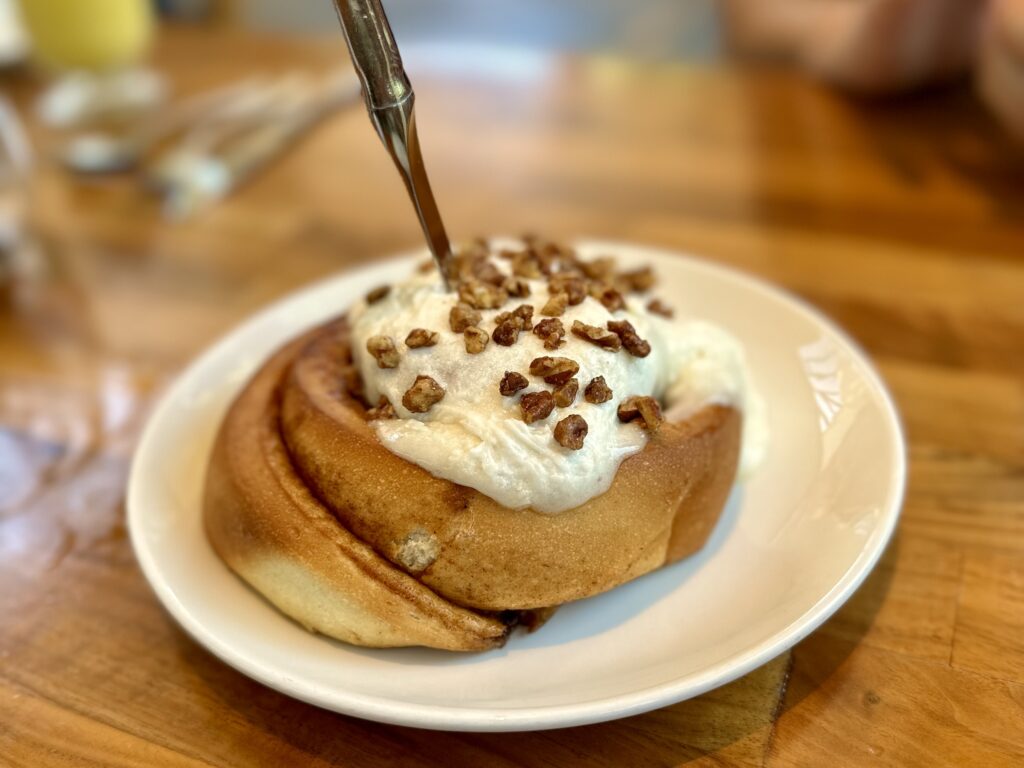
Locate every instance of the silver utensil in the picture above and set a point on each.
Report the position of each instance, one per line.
(390, 102)
(200, 172)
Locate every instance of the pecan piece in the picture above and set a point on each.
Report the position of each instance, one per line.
(624, 329)
(555, 305)
(377, 294)
(610, 298)
(571, 431)
(599, 336)
(536, 406)
(524, 264)
(600, 268)
(383, 410)
(481, 295)
(521, 315)
(511, 383)
(573, 286)
(597, 391)
(421, 337)
(516, 286)
(658, 307)
(507, 333)
(422, 395)
(565, 395)
(554, 370)
(550, 331)
(644, 408)
(476, 340)
(462, 316)
(383, 350)
(636, 280)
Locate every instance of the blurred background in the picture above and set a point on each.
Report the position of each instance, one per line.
(167, 168)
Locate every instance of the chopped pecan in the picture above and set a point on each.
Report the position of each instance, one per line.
(551, 331)
(597, 391)
(383, 350)
(525, 264)
(516, 286)
(636, 280)
(521, 315)
(377, 294)
(573, 286)
(624, 329)
(658, 307)
(462, 316)
(571, 431)
(507, 332)
(422, 395)
(383, 410)
(565, 395)
(643, 408)
(536, 406)
(555, 305)
(600, 268)
(554, 370)
(476, 339)
(511, 383)
(421, 337)
(481, 295)
(599, 336)
(426, 266)
(485, 271)
(610, 298)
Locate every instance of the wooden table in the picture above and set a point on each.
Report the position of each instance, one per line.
(903, 221)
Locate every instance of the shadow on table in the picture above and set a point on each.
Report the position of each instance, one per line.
(733, 722)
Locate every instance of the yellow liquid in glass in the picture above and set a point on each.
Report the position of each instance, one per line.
(95, 35)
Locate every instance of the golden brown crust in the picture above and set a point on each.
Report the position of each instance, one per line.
(395, 556)
(268, 528)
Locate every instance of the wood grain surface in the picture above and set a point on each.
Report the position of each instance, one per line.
(904, 221)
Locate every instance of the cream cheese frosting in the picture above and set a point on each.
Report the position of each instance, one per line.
(476, 437)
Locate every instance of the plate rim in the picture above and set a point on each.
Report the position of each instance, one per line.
(441, 717)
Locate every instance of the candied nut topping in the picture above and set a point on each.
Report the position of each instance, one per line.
(565, 395)
(636, 280)
(624, 329)
(426, 266)
(610, 298)
(462, 316)
(522, 316)
(571, 431)
(600, 268)
(658, 307)
(516, 286)
(377, 294)
(573, 286)
(597, 391)
(536, 406)
(422, 395)
(644, 408)
(383, 410)
(507, 332)
(525, 264)
(383, 350)
(481, 295)
(511, 383)
(551, 331)
(554, 370)
(555, 305)
(599, 336)
(476, 340)
(421, 337)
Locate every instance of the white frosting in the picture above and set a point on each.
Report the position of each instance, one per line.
(476, 437)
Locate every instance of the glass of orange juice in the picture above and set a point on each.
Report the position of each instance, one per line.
(100, 41)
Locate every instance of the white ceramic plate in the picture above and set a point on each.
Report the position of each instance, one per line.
(796, 540)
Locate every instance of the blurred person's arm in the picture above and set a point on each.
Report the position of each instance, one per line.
(873, 46)
(1000, 68)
